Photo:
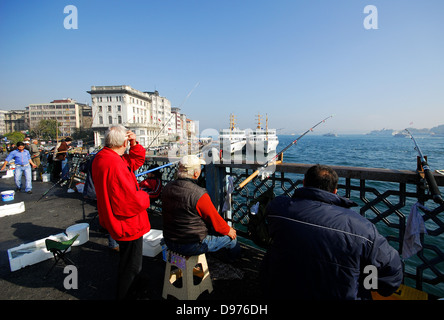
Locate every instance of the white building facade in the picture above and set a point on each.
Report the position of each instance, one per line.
(145, 113)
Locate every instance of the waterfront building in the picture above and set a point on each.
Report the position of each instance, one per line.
(147, 114)
(69, 114)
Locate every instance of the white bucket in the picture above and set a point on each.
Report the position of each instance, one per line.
(46, 177)
(82, 229)
(8, 195)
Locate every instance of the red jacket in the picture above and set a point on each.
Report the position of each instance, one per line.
(153, 186)
(121, 204)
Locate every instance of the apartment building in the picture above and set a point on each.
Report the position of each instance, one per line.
(69, 113)
(147, 114)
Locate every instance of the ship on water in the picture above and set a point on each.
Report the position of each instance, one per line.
(233, 139)
(262, 139)
(330, 134)
(400, 134)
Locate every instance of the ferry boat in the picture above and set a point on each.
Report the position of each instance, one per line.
(400, 134)
(233, 139)
(330, 134)
(260, 138)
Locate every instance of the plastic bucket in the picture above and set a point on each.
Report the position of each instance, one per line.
(82, 229)
(46, 177)
(8, 195)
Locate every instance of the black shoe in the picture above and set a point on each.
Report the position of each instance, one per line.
(29, 192)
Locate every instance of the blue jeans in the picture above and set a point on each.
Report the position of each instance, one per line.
(210, 243)
(65, 169)
(19, 170)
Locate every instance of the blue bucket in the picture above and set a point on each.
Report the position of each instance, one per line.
(8, 195)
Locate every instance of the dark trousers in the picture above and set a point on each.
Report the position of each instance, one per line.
(130, 265)
(56, 170)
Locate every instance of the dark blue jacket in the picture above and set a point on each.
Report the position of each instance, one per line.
(320, 248)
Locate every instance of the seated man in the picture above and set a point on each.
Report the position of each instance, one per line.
(191, 223)
(153, 183)
(320, 247)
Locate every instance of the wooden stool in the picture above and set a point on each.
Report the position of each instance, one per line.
(186, 269)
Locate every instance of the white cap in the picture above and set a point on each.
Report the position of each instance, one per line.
(191, 162)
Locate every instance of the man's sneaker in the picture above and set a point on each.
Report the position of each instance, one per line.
(29, 192)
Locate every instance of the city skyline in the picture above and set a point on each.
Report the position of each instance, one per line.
(296, 61)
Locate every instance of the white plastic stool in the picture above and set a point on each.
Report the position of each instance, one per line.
(186, 269)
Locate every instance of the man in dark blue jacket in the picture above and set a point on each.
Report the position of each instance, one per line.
(321, 249)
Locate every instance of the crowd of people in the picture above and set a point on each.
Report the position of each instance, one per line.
(29, 155)
(315, 235)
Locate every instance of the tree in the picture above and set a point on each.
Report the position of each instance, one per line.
(15, 136)
(46, 129)
(87, 135)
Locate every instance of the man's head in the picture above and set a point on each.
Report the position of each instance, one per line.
(116, 138)
(68, 140)
(35, 141)
(322, 177)
(20, 146)
(189, 167)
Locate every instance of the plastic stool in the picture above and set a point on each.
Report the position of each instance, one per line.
(186, 269)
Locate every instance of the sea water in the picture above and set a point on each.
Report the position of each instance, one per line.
(373, 151)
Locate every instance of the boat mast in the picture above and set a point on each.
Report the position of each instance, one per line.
(258, 121)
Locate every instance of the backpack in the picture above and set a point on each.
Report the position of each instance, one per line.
(258, 225)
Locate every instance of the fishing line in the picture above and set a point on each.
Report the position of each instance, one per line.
(180, 106)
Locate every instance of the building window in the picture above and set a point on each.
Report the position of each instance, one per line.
(119, 108)
(109, 108)
(119, 119)
(100, 120)
(100, 108)
(110, 120)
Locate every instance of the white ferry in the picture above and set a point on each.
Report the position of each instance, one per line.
(262, 139)
(233, 139)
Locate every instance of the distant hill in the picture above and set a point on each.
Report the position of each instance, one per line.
(439, 130)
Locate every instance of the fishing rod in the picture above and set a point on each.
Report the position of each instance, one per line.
(254, 174)
(162, 166)
(62, 181)
(431, 182)
(157, 168)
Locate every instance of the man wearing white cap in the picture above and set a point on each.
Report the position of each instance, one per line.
(191, 223)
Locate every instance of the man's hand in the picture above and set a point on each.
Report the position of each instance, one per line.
(232, 233)
(131, 138)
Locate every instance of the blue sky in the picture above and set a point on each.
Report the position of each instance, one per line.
(297, 61)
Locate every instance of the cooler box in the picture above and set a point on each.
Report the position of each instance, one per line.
(151, 243)
(82, 229)
(31, 253)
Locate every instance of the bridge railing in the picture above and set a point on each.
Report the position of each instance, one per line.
(384, 196)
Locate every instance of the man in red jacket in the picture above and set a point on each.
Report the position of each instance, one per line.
(121, 203)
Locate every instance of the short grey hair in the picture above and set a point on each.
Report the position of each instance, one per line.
(115, 136)
(184, 173)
